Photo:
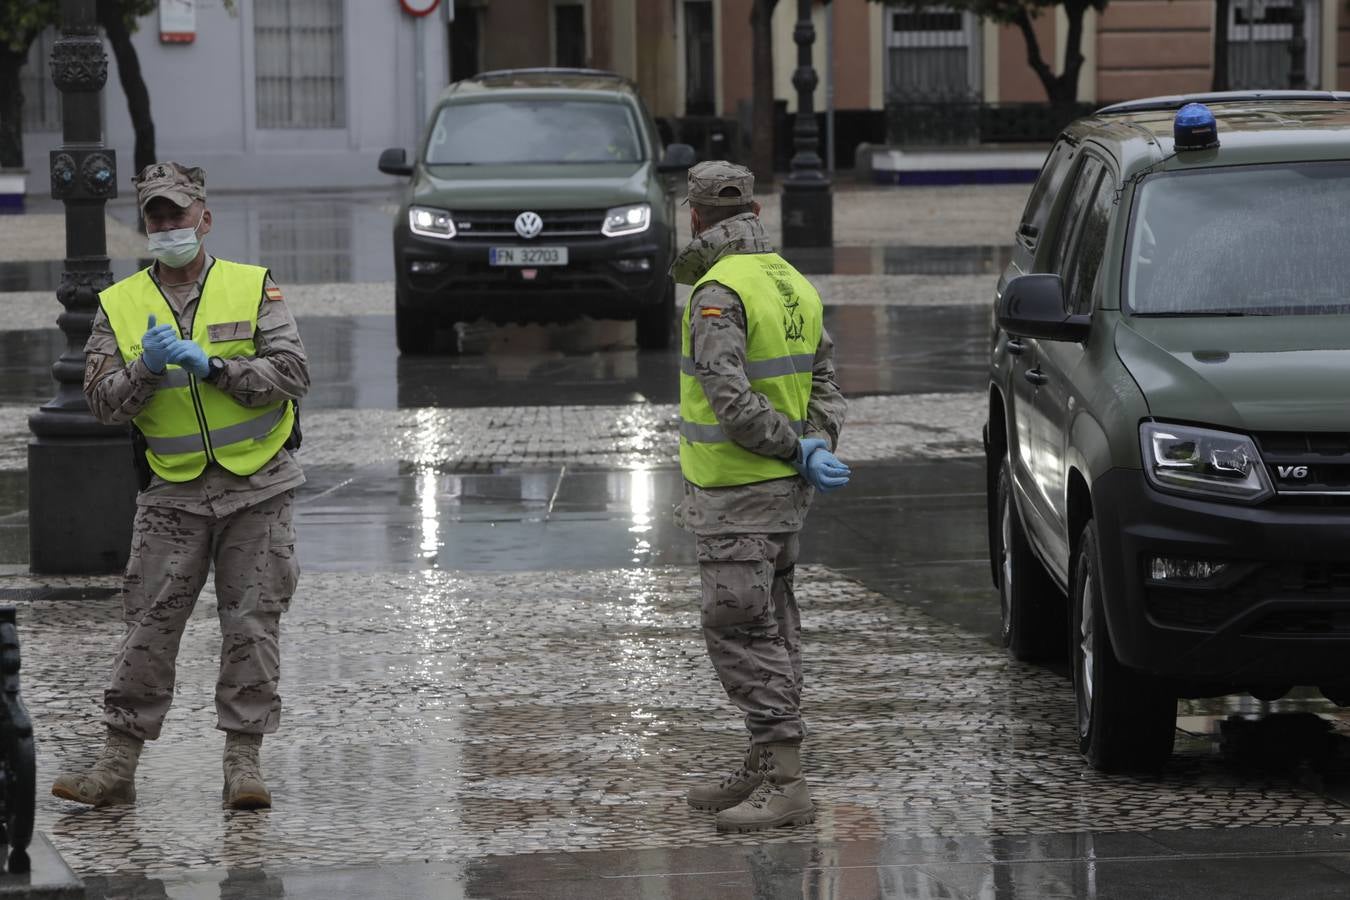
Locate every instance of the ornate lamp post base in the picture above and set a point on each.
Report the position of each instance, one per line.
(81, 477)
(81, 500)
(808, 214)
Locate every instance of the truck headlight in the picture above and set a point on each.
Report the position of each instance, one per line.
(428, 222)
(623, 220)
(1202, 461)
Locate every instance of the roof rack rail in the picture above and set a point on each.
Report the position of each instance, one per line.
(516, 73)
(1179, 100)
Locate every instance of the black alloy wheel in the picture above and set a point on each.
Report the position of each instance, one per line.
(656, 323)
(1126, 719)
(1033, 619)
(414, 330)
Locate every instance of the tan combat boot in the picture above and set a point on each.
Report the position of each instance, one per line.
(782, 798)
(244, 788)
(732, 789)
(112, 778)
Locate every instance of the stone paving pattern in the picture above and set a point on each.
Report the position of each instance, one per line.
(439, 715)
(638, 435)
(24, 310)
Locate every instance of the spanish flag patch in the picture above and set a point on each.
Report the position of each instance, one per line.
(707, 311)
(273, 292)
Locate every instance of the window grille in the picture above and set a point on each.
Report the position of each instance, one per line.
(569, 35)
(932, 55)
(700, 73)
(299, 63)
(1260, 35)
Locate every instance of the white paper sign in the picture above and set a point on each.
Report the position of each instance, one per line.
(177, 21)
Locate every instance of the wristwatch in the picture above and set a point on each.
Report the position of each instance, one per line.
(215, 365)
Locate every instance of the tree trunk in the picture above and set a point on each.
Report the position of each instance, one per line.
(1034, 57)
(11, 105)
(761, 138)
(133, 82)
(1073, 55)
(1061, 90)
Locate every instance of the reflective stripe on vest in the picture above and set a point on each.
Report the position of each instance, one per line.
(189, 422)
(253, 429)
(783, 328)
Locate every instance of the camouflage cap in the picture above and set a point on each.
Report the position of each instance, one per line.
(709, 179)
(172, 181)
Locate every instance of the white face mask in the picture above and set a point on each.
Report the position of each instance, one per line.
(178, 247)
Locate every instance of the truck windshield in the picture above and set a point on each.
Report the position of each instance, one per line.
(505, 132)
(1250, 240)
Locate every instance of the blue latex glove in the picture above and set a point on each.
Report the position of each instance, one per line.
(805, 447)
(826, 472)
(155, 344)
(190, 356)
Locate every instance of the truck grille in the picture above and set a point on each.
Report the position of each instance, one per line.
(1308, 468)
(479, 224)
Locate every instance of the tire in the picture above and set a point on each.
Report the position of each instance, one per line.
(1032, 616)
(414, 331)
(1126, 719)
(656, 324)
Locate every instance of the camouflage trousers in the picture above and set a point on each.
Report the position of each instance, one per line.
(753, 629)
(256, 572)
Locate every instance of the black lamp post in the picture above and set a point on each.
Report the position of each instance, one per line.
(81, 480)
(808, 207)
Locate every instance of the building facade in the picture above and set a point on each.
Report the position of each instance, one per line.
(306, 93)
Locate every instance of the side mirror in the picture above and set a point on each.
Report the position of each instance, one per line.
(1032, 306)
(678, 158)
(394, 161)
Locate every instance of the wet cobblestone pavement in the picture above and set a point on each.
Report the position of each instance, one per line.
(494, 679)
(441, 715)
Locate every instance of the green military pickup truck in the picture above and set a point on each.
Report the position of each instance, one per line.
(537, 195)
(1168, 439)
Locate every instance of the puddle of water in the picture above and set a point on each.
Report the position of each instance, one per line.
(354, 363)
(901, 260)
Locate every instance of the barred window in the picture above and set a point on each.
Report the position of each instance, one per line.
(41, 99)
(299, 63)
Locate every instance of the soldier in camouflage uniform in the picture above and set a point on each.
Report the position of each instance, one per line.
(235, 511)
(747, 524)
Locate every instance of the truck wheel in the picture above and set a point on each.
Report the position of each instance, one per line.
(656, 324)
(1126, 719)
(414, 331)
(1033, 621)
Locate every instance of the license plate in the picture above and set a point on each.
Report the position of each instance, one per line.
(527, 256)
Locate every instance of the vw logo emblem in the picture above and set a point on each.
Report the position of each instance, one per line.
(528, 224)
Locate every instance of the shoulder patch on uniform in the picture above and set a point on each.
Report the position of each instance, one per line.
(273, 292)
(707, 311)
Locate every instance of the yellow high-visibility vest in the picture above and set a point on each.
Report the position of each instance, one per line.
(190, 422)
(783, 316)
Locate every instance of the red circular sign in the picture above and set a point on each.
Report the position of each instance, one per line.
(419, 7)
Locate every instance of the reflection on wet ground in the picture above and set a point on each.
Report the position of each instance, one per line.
(45, 275)
(292, 259)
(882, 260)
(354, 364)
(1292, 863)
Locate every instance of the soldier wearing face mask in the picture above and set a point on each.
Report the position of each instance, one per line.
(203, 359)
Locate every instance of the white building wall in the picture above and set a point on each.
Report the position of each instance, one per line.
(202, 100)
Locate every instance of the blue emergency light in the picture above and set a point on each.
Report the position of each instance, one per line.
(1195, 128)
